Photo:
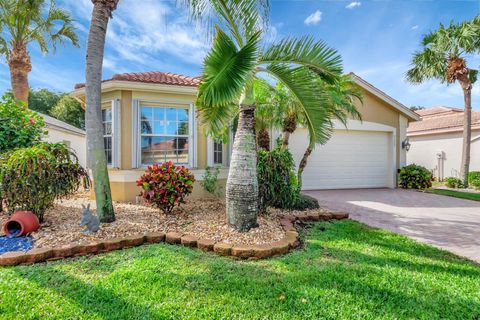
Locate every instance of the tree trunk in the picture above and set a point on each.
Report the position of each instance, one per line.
(289, 126)
(263, 139)
(97, 161)
(286, 138)
(302, 165)
(242, 183)
(467, 133)
(20, 66)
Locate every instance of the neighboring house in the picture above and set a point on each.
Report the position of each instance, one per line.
(436, 141)
(150, 117)
(73, 137)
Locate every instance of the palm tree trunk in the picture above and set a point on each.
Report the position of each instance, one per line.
(467, 133)
(286, 139)
(302, 165)
(263, 139)
(20, 66)
(97, 161)
(242, 183)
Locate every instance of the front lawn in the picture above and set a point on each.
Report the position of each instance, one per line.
(346, 271)
(457, 194)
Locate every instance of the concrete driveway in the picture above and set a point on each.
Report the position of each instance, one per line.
(445, 222)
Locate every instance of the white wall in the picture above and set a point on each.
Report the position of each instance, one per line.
(424, 149)
(76, 141)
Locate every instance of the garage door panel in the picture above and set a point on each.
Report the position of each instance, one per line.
(351, 159)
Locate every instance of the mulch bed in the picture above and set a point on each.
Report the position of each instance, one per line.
(204, 218)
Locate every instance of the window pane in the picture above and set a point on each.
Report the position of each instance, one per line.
(158, 127)
(182, 156)
(171, 128)
(181, 144)
(182, 114)
(158, 114)
(107, 115)
(182, 128)
(107, 128)
(108, 153)
(107, 142)
(171, 114)
(146, 113)
(146, 127)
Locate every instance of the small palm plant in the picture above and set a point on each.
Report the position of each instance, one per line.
(236, 58)
(443, 58)
(23, 22)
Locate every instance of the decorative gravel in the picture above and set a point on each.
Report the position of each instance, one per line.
(202, 218)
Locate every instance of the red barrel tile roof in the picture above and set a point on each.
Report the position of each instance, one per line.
(153, 77)
(441, 119)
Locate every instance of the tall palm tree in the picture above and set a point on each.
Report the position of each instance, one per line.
(341, 105)
(443, 58)
(23, 22)
(229, 69)
(97, 162)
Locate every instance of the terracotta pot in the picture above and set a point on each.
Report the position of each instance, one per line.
(25, 221)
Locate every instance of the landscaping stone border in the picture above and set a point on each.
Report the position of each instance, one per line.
(290, 241)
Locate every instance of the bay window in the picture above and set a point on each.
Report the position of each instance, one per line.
(164, 135)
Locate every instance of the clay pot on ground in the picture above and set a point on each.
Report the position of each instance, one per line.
(21, 223)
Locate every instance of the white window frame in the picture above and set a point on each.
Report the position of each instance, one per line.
(136, 134)
(115, 106)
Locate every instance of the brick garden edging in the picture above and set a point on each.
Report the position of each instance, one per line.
(290, 241)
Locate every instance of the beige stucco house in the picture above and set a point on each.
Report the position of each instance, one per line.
(436, 141)
(150, 117)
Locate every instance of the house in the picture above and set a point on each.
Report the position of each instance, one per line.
(73, 137)
(150, 117)
(436, 141)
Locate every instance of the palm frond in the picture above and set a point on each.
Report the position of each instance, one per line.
(306, 51)
(225, 75)
(301, 82)
(427, 64)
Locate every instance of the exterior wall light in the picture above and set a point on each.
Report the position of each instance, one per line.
(406, 144)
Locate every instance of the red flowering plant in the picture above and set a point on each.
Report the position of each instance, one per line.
(166, 185)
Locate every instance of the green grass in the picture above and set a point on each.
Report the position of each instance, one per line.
(457, 194)
(345, 271)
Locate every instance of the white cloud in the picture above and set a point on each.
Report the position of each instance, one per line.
(353, 5)
(314, 18)
(415, 27)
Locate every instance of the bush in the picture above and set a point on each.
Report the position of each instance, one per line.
(210, 179)
(452, 182)
(415, 177)
(474, 179)
(165, 185)
(305, 202)
(32, 178)
(277, 181)
(19, 127)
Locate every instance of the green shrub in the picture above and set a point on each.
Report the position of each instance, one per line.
(277, 181)
(19, 127)
(166, 185)
(305, 202)
(210, 179)
(32, 178)
(453, 182)
(415, 177)
(474, 179)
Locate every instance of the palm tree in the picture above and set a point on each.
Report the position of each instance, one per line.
(444, 58)
(23, 22)
(341, 104)
(102, 12)
(235, 60)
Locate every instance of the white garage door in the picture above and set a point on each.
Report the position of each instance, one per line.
(351, 159)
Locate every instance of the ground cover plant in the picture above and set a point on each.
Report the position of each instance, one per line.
(345, 271)
(457, 194)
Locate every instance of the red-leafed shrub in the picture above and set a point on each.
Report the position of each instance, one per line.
(165, 185)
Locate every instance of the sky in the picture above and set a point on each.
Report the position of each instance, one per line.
(375, 38)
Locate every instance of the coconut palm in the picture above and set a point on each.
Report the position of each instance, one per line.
(236, 58)
(444, 57)
(97, 162)
(342, 96)
(23, 22)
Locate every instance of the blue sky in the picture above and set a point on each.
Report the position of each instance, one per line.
(375, 38)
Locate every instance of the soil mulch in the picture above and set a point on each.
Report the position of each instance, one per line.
(203, 218)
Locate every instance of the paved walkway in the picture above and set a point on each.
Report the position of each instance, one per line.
(445, 222)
